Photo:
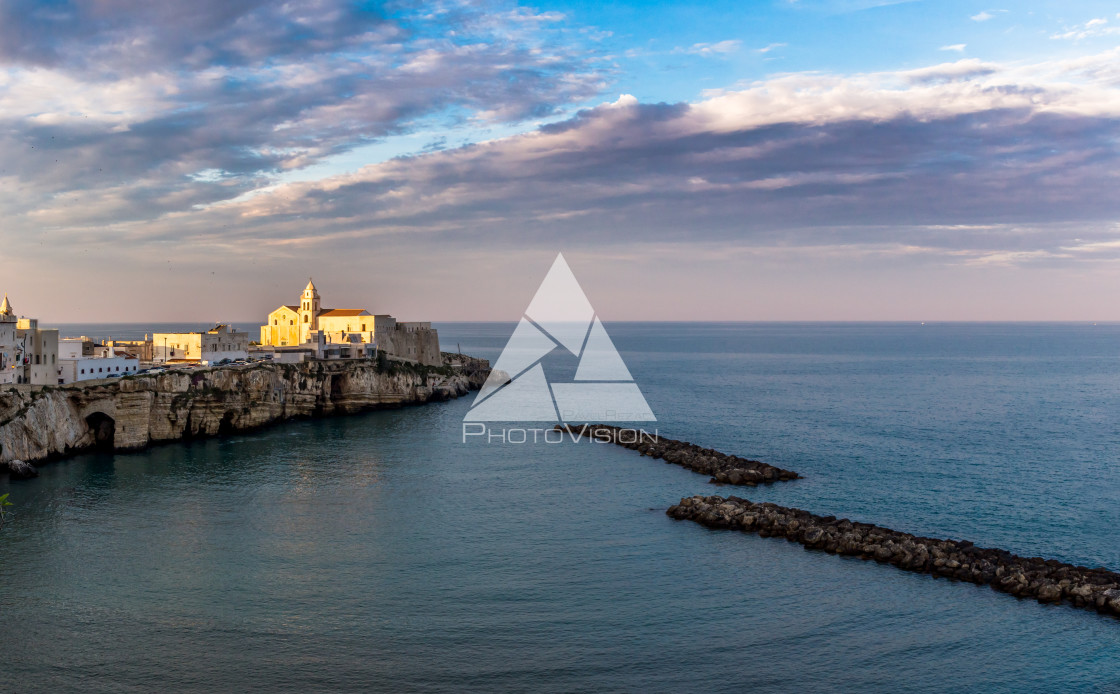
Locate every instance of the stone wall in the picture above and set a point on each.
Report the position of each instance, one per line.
(131, 413)
(417, 345)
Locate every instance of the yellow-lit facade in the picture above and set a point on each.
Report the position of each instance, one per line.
(292, 325)
(283, 329)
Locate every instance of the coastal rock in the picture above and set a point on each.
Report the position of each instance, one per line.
(723, 468)
(1044, 580)
(1112, 599)
(19, 470)
(42, 423)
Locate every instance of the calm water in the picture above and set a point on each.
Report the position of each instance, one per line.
(377, 552)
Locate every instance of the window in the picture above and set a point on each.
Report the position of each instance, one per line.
(83, 370)
(275, 321)
(304, 318)
(291, 322)
(99, 369)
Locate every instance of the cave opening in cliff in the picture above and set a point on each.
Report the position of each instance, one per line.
(103, 427)
(225, 427)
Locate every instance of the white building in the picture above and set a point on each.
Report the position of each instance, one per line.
(28, 353)
(219, 343)
(81, 360)
(8, 351)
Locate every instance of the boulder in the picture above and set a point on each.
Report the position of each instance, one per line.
(20, 470)
(1112, 600)
(1049, 592)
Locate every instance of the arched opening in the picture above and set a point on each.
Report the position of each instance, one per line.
(225, 427)
(103, 428)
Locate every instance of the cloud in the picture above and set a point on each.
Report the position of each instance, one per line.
(721, 48)
(965, 161)
(844, 6)
(1090, 29)
(975, 163)
(961, 70)
(986, 15)
(128, 110)
(134, 36)
(958, 47)
(773, 46)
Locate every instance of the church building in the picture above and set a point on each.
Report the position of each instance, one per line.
(293, 324)
(307, 323)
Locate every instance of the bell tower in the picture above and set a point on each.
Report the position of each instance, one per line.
(309, 310)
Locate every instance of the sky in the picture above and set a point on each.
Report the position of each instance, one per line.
(922, 160)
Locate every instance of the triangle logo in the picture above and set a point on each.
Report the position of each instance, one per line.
(560, 317)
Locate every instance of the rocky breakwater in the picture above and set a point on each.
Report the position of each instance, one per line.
(133, 412)
(723, 468)
(1045, 580)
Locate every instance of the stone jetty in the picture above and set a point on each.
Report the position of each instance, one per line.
(1045, 580)
(723, 468)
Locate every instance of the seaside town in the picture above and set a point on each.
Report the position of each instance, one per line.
(34, 355)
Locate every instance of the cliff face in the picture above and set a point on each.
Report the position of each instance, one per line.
(131, 413)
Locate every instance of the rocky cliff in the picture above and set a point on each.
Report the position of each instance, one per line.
(133, 412)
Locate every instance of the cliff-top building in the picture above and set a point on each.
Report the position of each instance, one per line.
(28, 353)
(220, 343)
(8, 350)
(308, 323)
(81, 359)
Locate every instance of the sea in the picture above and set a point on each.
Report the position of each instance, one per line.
(380, 552)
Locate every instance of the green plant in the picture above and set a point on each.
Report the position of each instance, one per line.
(4, 503)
